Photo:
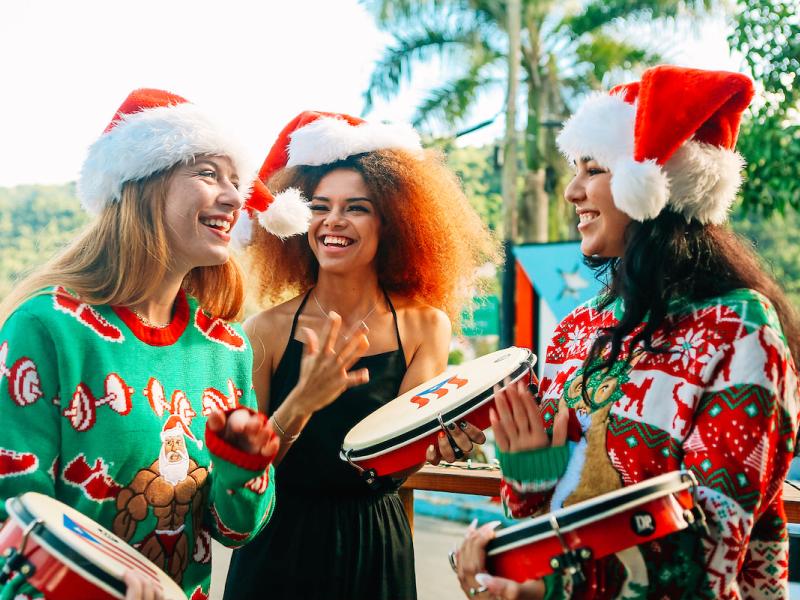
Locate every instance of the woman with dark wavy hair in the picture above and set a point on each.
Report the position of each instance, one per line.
(392, 246)
(685, 361)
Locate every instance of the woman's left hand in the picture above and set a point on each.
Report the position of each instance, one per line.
(464, 434)
(470, 560)
(248, 431)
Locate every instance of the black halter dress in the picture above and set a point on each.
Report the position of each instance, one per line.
(330, 536)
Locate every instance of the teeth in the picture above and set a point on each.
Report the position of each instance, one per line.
(335, 240)
(587, 216)
(220, 224)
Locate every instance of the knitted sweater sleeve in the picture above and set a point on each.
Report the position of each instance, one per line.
(29, 391)
(739, 447)
(242, 495)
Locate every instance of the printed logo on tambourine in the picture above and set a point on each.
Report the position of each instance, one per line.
(440, 390)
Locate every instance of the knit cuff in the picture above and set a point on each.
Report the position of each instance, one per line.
(534, 470)
(222, 449)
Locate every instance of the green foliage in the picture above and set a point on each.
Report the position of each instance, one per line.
(35, 222)
(775, 239)
(481, 180)
(767, 33)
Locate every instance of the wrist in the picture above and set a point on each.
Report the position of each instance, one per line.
(288, 421)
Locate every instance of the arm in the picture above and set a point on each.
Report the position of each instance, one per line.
(29, 390)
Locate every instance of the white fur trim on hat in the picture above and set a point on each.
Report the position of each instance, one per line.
(328, 139)
(287, 215)
(703, 181)
(639, 189)
(602, 129)
(153, 140)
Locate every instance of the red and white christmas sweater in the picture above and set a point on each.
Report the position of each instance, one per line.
(109, 416)
(721, 402)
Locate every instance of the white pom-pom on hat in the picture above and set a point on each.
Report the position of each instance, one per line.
(287, 215)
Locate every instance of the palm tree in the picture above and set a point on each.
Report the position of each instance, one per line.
(564, 55)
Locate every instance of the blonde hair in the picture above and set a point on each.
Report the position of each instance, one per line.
(429, 251)
(128, 239)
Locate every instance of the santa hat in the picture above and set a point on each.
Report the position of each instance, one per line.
(176, 426)
(668, 141)
(311, 139)
(152, 131)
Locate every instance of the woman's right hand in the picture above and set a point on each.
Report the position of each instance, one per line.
(324, 372)
(140, 587)
(517, 421)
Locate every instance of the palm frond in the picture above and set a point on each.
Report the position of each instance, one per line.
(451, 102)
(599, 13)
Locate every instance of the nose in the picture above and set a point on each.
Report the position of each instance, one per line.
(333, 218)
(575, 191)
(230, 196)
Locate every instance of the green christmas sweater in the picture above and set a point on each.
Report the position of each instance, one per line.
(722, 401)
(109, 416)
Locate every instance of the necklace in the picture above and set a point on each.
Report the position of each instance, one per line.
(361, 321)
(147, 321)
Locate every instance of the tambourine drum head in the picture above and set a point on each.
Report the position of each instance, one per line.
(73, 556)
(406, 424)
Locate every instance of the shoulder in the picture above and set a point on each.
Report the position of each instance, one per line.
(741, 311)
(421, 317)
(40, 308)
(269, 329)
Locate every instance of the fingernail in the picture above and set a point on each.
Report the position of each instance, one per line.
(462, 425)
(441, 434)
(452, 426)
(473, 524)
(483, 578)
(493, 524)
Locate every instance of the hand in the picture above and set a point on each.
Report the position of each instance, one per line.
(471, 570)
(464, 434)
(248, 431)
(517, 421)
(324, 373)
(140, 587)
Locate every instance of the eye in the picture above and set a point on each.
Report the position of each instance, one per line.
(595, 171)
(358, 208)
(210, 173)
(318, 208)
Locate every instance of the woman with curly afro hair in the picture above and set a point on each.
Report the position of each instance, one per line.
(392, 251)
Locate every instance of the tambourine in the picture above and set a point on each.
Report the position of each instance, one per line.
(565, 539)
(65, 555)
(395, 437)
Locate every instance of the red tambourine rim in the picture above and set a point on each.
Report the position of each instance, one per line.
(431, 426)
(65, 553)
(590, 511)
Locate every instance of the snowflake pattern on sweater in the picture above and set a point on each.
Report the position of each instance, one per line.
(109, 416)
(721, 401)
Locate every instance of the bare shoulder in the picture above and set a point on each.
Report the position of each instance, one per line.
(269, 329)
(421, 320)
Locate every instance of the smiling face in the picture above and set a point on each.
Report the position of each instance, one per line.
(601, 224)
(345, 225)
(201, 207)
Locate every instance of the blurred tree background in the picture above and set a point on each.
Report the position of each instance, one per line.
(566, 53)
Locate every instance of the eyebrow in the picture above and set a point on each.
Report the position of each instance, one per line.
(354, 199)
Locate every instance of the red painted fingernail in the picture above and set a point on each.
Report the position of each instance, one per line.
(441, 434)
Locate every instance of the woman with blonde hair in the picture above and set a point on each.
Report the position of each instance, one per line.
(123, 378)
(392, 246)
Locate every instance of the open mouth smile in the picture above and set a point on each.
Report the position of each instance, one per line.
(217, 224)
(336, 241)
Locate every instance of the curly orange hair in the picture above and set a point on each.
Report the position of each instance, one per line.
(431, 243)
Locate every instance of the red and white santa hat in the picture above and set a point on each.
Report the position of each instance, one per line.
(315, 138)
(176, 426)
(668, 141)
(151, 131)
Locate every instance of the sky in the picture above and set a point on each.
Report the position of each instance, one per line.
(67, 66)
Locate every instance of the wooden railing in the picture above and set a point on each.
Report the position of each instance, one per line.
(482, 482)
